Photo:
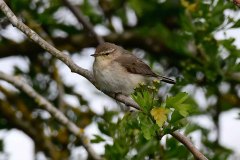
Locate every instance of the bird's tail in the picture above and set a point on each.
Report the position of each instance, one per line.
(166, 79)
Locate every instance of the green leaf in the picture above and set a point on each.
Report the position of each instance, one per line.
(176, 116)
(97, 139)
(184, 109)
(145, 96)
(147, 132)
(147, 126)
(176, 100)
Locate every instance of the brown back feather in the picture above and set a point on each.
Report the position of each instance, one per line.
(135, 65)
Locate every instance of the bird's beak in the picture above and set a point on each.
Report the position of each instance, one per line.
(94, 55)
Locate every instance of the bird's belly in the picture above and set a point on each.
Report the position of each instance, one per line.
(120, 81)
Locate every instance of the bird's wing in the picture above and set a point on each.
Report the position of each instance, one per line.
(134, 65)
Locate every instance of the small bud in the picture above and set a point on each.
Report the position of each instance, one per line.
(156, 81)
(151, 87)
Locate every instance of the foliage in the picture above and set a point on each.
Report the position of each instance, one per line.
(177, 36)
(137, 135)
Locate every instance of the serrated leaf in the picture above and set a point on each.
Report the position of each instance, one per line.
(147, 126)
(176, 100)
(160, 115)
(145, 96)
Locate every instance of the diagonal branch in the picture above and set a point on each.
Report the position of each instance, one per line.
(44, 44)
(186, 142)
(42, 102)
(36, 133)
(81, 19)
(58, 54)
(83, 72)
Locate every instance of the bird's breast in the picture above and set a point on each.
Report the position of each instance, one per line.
(112, 77)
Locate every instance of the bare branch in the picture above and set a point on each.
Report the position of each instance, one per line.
(42, 102)
(186, 141)
(81, 19)
(55, 52)
(45, 45)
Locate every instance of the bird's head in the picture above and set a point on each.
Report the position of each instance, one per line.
(107, 51)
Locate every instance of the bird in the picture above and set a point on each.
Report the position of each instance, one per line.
(118, 71)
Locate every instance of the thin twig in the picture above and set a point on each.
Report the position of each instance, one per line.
(81, 19)
(85, 73)
(186, 141)
(42, 102)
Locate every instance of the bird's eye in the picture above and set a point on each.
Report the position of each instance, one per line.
(107, 54)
